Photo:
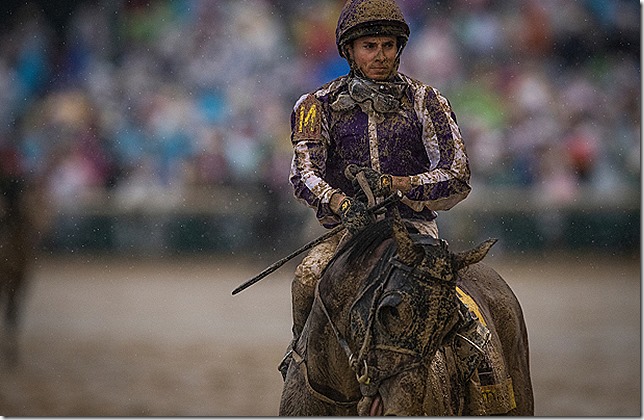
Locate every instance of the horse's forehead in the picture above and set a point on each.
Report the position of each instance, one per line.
(437, 259)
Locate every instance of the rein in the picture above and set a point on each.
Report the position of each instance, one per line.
(358, 363)
(420, 274)
(363, 379)
(370, 377)
(301, 361)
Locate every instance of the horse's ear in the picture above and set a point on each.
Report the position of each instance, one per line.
(465, 258)
(407, 251)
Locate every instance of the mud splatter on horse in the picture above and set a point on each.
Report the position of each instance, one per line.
(382, 336)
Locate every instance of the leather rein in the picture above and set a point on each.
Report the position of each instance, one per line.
(369, 382)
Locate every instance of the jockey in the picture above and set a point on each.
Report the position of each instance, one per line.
(401, 133)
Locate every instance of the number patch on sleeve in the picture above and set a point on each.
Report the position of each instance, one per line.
(308, 123)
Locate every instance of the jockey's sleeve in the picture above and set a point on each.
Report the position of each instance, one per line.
(308, 166)
(447, 181)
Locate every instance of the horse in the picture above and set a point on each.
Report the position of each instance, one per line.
(382, 335)
(24, 217)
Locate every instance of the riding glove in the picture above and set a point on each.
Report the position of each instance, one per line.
(379, 184)
(354, 215)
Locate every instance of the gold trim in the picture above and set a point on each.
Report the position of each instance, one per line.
(471, 304)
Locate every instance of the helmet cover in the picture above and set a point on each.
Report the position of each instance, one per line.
(370, 18)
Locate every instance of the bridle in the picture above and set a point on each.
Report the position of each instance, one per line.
(370, 377)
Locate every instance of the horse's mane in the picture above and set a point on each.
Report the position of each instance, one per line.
(362, 245)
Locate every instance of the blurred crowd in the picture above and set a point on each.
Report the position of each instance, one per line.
(133, 97)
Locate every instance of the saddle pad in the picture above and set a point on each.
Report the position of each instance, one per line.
(471, 304)
(490, 388)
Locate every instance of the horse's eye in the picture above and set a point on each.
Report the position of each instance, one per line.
(394, 314)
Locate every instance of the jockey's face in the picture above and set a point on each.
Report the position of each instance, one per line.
(375, 56)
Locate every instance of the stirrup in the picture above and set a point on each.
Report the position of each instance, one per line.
(285, 363)
(469, 344)
(469, 347)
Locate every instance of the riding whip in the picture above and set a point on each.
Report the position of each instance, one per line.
(389, 200)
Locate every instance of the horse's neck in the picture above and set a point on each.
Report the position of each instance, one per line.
(327, 362)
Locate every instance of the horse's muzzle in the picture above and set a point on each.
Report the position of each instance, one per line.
(371, 406)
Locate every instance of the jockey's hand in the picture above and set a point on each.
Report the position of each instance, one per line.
(354, 215)
(379, 184)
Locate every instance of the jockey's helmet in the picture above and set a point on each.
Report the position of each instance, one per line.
(360, 18)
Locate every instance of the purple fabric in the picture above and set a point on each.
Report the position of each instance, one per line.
(402, 150)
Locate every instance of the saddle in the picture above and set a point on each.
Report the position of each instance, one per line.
(476, 355)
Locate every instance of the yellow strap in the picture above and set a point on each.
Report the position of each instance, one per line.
(471, 305)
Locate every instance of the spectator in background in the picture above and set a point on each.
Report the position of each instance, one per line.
(137, 61)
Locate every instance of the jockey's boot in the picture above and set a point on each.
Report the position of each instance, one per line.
(302, 301)
(469, 343)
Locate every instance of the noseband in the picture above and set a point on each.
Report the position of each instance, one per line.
(370, 377)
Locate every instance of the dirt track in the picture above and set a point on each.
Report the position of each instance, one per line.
(105, 337)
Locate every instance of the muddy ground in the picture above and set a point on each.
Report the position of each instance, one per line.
(115, 337)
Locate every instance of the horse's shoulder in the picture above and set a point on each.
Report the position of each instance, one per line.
(484, 279)
(486, 286)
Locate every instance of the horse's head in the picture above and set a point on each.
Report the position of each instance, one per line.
(402, 317)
